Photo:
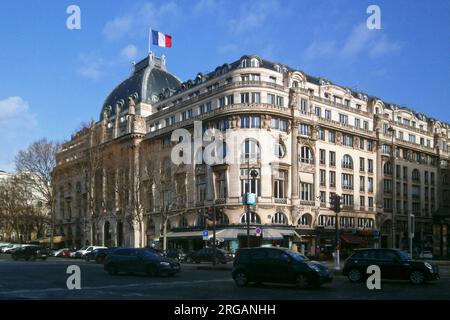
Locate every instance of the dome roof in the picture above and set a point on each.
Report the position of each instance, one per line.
(149, 78)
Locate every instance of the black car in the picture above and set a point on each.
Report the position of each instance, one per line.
(137, 260)
(278, 265)
(99, 255)
(176, 254)
(30, 253)
(393, 264)
(207, 255)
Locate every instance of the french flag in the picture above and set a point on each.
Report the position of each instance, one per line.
(161, 40)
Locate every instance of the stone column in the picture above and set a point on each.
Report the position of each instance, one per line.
(294, 162)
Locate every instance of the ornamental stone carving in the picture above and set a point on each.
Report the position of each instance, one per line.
(338, 138)
(293, 98)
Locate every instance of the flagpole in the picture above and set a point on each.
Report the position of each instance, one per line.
(149, 40)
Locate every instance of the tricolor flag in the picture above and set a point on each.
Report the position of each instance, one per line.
(161, 39)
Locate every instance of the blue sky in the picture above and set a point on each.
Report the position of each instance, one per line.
(52, 78)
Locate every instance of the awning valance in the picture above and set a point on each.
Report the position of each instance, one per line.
(306, 177)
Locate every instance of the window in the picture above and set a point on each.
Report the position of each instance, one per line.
(323, 197)
(322, 156)
(321, 134)
(328, 114)
(318, 111)
(416, 175)
(366, 125)
(251, 150)
(347, 222)
(362, 183)
(273, 80)
(337, 99)
(370, 202)
(332, 158)
(411, 138)
(279, 218)
(361, 164)
(254, 63)
(358, 106)
(370, 165)
(254, 218)
(405, 172)
(327, 221)
(245, 97)
(303, 105)
(256, 97)
(279, 124)
(357, 123)
(347, 140)
(432, 178)
(279, 184)
(280, 101)
(370, 184)
(306, 192)
(348, 199)
(365, 223)
(347, 162)
(255, 184)
(221, 185)
(387, 186)
(331, 136)
(343, 118)
(279, 150)
(332, 179)
(323, 178)
(387, 168)
(221, 102)
(306, 155)
(347, 102)
(304, 129)
(270, 98)
(347, 181)
(229, 99)
(369, 145)
(200, 181)
(250, 122)
(305, 220)
(400, 135)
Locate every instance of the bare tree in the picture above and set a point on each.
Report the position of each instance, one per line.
(37, 163)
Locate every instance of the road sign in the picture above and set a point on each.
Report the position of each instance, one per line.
(205, 235)
(376, 233)
(251, 199)
(258, 231)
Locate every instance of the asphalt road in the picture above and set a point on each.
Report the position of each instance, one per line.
(47, 280)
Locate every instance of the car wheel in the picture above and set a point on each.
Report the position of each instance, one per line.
(151, 271)
(241, 279)
(112, 270)
(354, 275)
(303, 281)
(417, 277)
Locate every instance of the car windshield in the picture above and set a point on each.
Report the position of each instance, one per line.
(297, 256)
(403, 255)
(84, 248)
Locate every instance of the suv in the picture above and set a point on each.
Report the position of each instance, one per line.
(278, 265)
(393, 264)
(30, 253)
(138, 260)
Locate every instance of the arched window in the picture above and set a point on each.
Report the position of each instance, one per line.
(254, 63)
(306, 155)
(254, 218)
(387, 168)
(347, 162)
(279, 150)
(250, 150)
(244, 63)
(279, 218)
(295, 84)
(305, 220)
(416, 175)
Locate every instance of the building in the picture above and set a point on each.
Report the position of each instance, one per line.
(306, 137)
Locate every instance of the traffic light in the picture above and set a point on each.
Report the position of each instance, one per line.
(209, 213)
(335, 202)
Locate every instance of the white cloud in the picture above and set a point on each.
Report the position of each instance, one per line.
(92, 65)
(18, 127)
(129, 52)
(360, 41)
(140, 19)
(253, 15)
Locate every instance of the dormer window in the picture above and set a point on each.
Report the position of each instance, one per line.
(244, 63)
(277, 68)
(254, 63)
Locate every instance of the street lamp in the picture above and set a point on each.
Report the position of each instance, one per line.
(394, 200)
(254, 174)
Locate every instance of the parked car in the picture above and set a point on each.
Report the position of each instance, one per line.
(278, 265)
(139, 260)
(176, 254)
(207, 255)
(394, 264)
(84, 250)
(11, 248)
(31, 252)
(4, 246)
